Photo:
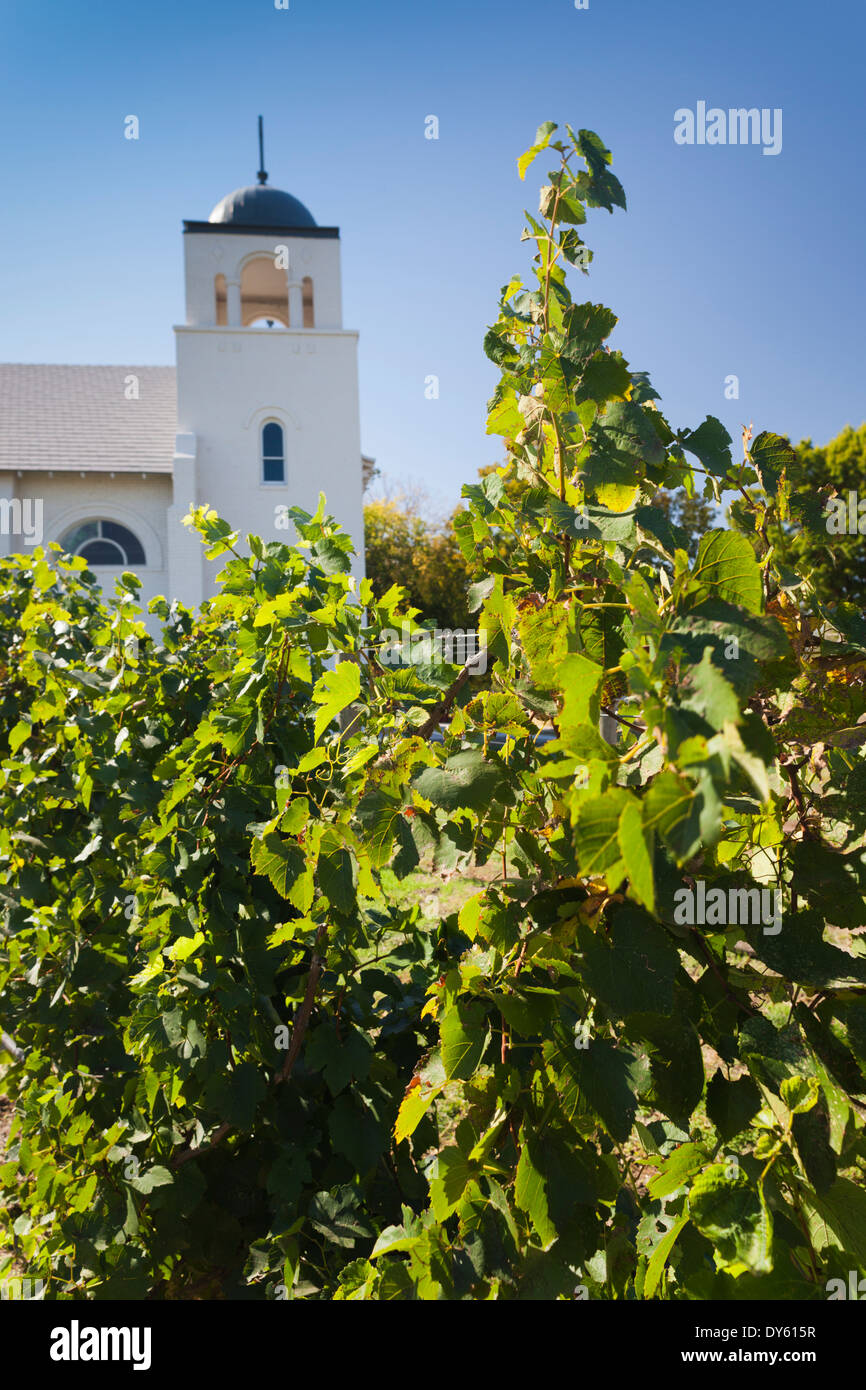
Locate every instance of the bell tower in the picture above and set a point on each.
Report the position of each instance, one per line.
(267, 377)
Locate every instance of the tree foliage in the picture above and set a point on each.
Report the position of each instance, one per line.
(694, 516)
(402, 547)
(827, 548)
(247, 1070)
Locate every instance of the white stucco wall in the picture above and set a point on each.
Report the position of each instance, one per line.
(230, 381)
(138, 503)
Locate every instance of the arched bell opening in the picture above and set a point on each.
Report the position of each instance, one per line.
(264, 294)
(307, 300)
(221, 295)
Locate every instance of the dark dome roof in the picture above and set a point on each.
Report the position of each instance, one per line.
(261, 206)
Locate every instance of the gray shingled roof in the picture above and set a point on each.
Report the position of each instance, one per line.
(79, 418)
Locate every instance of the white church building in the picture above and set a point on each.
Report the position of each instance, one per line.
(260, 412)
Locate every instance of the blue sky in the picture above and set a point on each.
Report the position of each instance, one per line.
(727, 262)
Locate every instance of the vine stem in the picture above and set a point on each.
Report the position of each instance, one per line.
(298, 1033)
(713, 964)
(10, 1046)
(550, 259)
(806, 1232)
(797, 797)
(440, 710)
(627, 1165)
(187, 1154)
(305, 1010)
(638, 728)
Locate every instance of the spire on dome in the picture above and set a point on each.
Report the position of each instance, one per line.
(263, 173)
(261, 205)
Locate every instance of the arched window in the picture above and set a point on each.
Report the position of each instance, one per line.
(309, 317)
(104, 543)
(264, 293)
(273, 453)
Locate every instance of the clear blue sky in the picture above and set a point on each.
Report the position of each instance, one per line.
(728, 261)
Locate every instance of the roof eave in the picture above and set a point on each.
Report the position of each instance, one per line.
(249, 229)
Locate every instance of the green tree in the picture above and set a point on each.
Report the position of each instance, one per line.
(403, 548)
(694, 516)
(834, 560)
(424, 557)
(393, 536)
